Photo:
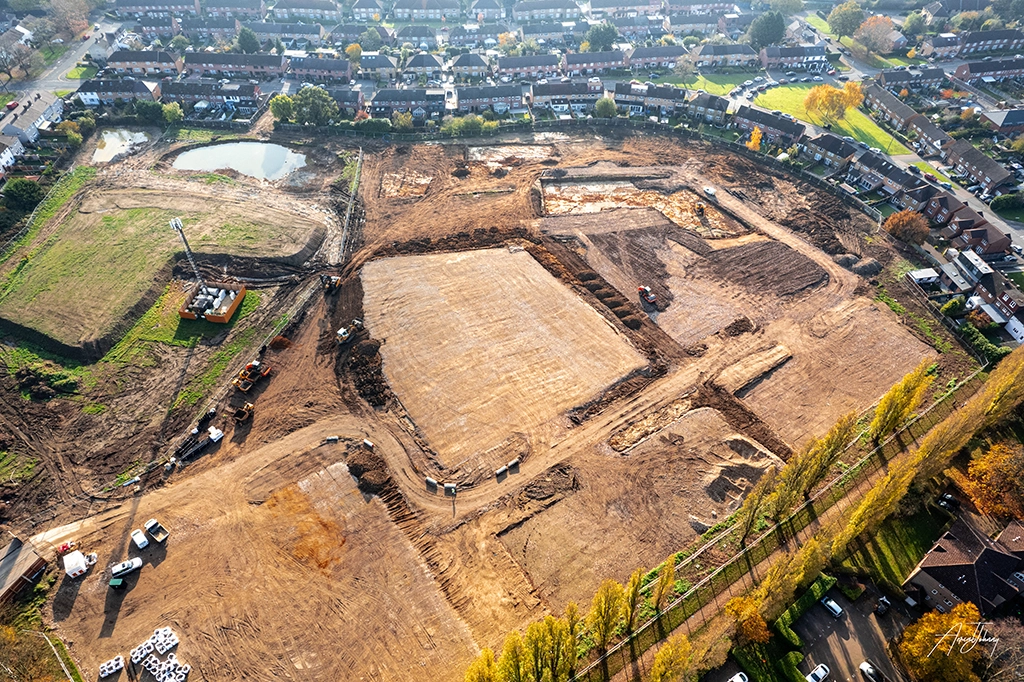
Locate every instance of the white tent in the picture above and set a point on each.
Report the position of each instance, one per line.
(75, 564)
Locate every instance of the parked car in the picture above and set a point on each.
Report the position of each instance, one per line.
(126, 567)
(871, 673)
(805, 79)
(818, 674)
(817, 79)
(139, 538)
(882, 607)
(832, 607)
(739, 677)
(842, 78)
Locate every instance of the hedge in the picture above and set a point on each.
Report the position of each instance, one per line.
(809, 598)
(787, 666)
(981, 344)
(1008, 201)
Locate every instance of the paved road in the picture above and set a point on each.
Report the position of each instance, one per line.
(53, 79)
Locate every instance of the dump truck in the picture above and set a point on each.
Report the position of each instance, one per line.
(346, 334)
(243, 413)
(250, 375)
(155, 530)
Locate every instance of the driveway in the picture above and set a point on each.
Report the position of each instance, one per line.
(843, 643)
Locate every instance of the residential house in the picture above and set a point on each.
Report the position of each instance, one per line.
(924, 77)
(421, 103)
(20, 566)
(210, 29)
(366, 10)
(774, 129)
(706, 7)
(807, 57)
(350, 100)
(34, 110)
(964, 219)
(430, 10)
(650, 100)
(872, 171)
(1002, 40)
(941, 207)
(965, 565)
(152, 28)
(540, 10)
(713, 56)
(290, 34)
(969, 160)
(562, 98)
(379, 66)
(474, 35)
(914, 198)
(10, 149)
(585, 63)
(637, 29)
(487, 10)
(1004, 304)
(190, 92)
(942, 46)
(344, 35)
(997, 70)
(735, 24)
(424, 64)
(985, 240)
(935, 13)
(470, 65)
(547, 32)
(1005, 121)
(321, 70)
(325, 11)
(499, 98)
(690, 24)
(226, 64)
(531, 66)
(887, 106)
(830, 150)
(897, 40)
(423, 37)
(94, 92)
(973, 267)
(707, 108)
(145, 62)
(657, 57)
(239, 9)
(930, 137)
(156, 8)
(606, 9)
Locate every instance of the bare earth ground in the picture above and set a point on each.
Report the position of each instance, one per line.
(277, 568)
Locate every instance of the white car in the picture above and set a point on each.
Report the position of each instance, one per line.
(832, 607)
(739, 677)
(126, 567)
(818, 674)
(140, 539)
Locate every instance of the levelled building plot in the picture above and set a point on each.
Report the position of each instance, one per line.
(479, 345)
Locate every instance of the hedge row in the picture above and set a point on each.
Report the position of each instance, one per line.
(809, 598)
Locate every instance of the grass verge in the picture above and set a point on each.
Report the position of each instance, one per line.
(82, 72)
(219, 361)
(928, 168)
(896, 548)
(59, 195)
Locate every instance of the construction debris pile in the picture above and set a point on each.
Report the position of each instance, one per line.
(211, 300)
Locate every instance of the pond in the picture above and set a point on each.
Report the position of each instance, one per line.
(114, 142)
(256, 159)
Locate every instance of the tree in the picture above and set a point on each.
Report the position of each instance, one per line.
(179, 43)
(829, 102)
(512, 663)
(1009, 10)
(22, 195)
(69, 16)
(853, 95)
(585, 46)
(536, 646)
(752, 627)
(605, 613)
(908, 226)
(1018, 144)
(914, 25)
(402, 121)
(483, 668)
(556, 660)
(993, 480)
(749, 515)
(931, 652)
(248, 43)
(173, 113)
(846, 18)
(993, 24)
(16, 57)
(899, 402)
(602, 36)
(754, 143)
(573, 622)
(1007, 661)
(314, 106)
(876, 34)
(664, 585)
(767, 29)
(632, 599)
(912, 52)
(605, 108)
(278, 46)
(42, 29)
(685, 66)
(354, 52)
(787, 8)
(673, 660)
(282, 107)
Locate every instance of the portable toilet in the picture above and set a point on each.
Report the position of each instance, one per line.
(75, 564)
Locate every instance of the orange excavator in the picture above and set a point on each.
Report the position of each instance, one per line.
(250, 375)
(646, 295)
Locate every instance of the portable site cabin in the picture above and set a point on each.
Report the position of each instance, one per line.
(75, 564)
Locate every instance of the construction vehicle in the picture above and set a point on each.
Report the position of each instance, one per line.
(647, 296)
(155, 530)
(243, 413)
(251, 374)
(699, 208)
(330, 283)
(346, 334)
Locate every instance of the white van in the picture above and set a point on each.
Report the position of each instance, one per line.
(126, 567)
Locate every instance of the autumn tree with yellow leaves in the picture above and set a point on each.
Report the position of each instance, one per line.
(930, 651)
(673, 662)
(605, 613)
(900, 401)
(754, 143)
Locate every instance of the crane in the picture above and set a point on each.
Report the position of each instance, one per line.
(176, 224)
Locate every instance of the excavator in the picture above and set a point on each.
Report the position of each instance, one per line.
(250, 375)
(699, 208)
(330, 283)
(647, 296)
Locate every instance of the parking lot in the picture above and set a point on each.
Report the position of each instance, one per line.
(844, 643)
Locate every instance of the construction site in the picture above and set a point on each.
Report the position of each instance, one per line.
(470, 391)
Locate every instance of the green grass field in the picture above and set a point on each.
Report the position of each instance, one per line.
(898, 545)
(1016, 214)
(790, 99)
(819, 23)
(715, 83)
(928, 168)
(82, 72)
(1017, 278)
